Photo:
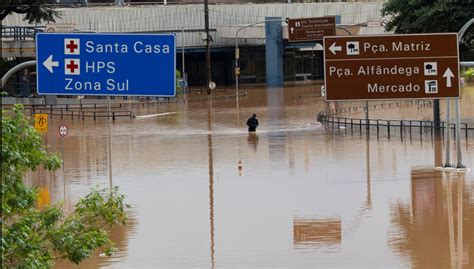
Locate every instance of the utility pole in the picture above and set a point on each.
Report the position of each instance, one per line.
(183, 76)
(208, 45)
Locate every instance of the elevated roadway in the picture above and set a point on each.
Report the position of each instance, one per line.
(186, 21)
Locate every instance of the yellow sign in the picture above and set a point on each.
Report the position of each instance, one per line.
(44, 198)
(41, 122)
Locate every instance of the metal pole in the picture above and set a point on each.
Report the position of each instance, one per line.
(237, 53)
(183, 64)
(109, 142)
(64, 173)
(367, 114)
(447, 134)
(436, 118)
(208, 46)
(458, 134)
(237, 70)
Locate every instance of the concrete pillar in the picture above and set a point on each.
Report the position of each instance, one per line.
(51, 99)
(274, 51)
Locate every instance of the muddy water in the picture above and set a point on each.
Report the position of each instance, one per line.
(206, 194)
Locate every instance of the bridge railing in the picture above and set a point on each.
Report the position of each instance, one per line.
(10, 33)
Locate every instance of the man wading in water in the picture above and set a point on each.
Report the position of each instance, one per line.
(252, 123)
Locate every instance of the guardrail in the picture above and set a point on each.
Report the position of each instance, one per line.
(82, 111)
(82, 114)
(390, 125)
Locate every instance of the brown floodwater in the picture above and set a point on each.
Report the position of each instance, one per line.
(204, 193)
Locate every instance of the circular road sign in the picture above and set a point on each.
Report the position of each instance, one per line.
(212, 85)
(63, 130)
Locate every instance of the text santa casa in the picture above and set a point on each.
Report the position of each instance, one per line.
(137, 47)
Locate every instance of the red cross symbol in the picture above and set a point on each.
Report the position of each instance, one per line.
(71, 46)
(72, 66)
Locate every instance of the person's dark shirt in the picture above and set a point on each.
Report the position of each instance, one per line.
(252, 123)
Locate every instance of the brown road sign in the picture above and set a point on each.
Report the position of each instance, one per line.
(391, 67)
(309, 29)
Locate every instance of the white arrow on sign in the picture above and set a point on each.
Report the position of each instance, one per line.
(448, 74)
(49, 63)
(333, 48)
(292, 30)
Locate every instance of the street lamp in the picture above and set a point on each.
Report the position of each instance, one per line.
(237, 52)
(366, 102)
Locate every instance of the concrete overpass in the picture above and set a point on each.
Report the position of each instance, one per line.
(187, 22)
(23, 46)
(302, 60)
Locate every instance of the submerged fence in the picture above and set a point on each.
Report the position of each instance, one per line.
(80, 111)
(391, 126)
(119, 109)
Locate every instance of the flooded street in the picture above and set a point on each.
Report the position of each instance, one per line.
(204, 193)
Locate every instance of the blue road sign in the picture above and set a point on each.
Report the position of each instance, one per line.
(106, 64)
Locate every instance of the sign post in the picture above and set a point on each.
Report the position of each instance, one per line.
(63, 131)
(311, 29)
(106, 64)
(391, 67)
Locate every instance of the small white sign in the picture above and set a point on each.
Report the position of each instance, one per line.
(59, 27)
(431, 68)
(212, 85)
(72, 66)
(374, 22)
(431, 86)
(63, 130)
(72, 46)
(352, 48)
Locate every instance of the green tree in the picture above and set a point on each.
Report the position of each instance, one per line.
(179, 89)
(34, 10)
(428, 16)
(33, 238)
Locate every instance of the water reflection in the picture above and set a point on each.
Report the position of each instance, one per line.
(44, 198)
(276, 119)
(430, 231)
(317, 233)
(438, 151)
(211, 184)
(252, 140)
